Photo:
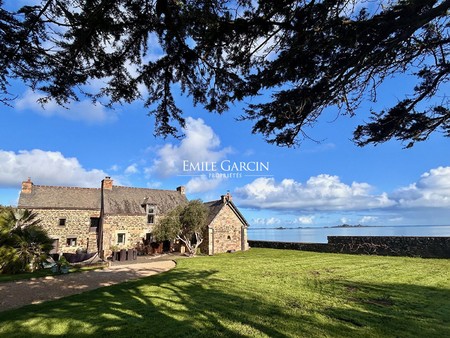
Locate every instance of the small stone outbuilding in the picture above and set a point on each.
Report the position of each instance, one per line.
(226, 229)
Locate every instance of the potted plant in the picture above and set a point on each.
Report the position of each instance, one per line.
(61, 265)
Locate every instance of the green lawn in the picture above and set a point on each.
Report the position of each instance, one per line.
(260, 293)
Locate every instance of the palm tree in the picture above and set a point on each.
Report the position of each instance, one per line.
(24, 244)
(19, 218)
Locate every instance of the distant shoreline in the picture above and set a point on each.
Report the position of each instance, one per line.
(342, 226)
(324, 227)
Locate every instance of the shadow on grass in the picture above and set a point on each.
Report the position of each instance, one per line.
(54, 286)
(174, 304)
(182, 303)
(393, 310)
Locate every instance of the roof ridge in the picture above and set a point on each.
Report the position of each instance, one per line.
(61, 187)
(126, 187)
(215, 201)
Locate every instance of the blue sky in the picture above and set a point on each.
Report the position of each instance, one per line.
(319, 184)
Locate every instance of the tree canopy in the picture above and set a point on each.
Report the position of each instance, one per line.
(306, 55)
(184, 223)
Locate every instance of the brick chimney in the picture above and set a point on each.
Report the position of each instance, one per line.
(107, 183)
(182, 190)
(27, 186)
(226, 198)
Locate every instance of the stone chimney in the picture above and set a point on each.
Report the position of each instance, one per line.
(27, 186)
(107, 183)
(182, 190)
(226, 198)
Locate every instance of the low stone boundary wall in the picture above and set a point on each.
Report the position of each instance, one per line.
(426, 247)
(317, 247)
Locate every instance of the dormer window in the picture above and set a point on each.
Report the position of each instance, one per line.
(151, 211)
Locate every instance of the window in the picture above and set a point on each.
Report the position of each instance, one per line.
(95, 222)
(148, 236)
(151, 211)
(62, 222)
(121, 238)
(71, 241)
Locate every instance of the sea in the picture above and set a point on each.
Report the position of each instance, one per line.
(319, 234)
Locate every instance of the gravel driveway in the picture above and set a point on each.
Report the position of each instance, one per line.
(37, 290)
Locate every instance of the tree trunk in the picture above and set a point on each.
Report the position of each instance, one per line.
(191, 249)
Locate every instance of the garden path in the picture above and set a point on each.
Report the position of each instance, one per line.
(37, 290)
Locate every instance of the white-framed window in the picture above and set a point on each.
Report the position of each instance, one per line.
(121, 238)
(151, 212)
(71, 241)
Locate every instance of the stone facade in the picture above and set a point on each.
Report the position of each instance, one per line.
(227, 232)
(97, 219)
(114, 217)
(71, 229)
(134, 228)
(226, 228)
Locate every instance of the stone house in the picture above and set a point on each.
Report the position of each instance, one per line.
(97, 219)
(226, 229)
(109, 217)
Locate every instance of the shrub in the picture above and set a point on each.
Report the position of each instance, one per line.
(24, 245)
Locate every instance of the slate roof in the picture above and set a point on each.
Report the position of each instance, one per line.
(131, 201)
(119, 200)
(215, 207)
(51, 197)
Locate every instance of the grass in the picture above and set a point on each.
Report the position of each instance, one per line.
(259, 293)
(4, 278)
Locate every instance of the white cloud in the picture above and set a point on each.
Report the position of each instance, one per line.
(45, 168)
(322, 192)
(367, 219)
(200, 144)
(258, 221)
(305, 220)
(131, 169)
(431, 190)
(202, 184)
(114, 167)
(273, 221)
(396, 219)
(154, 185)
(248, 152)
(76, 111)
(266, 221)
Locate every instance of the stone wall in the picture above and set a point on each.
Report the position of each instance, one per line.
(77, 225)
(317, 247)
(135, 227)
(426, 247)
(226, 234)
